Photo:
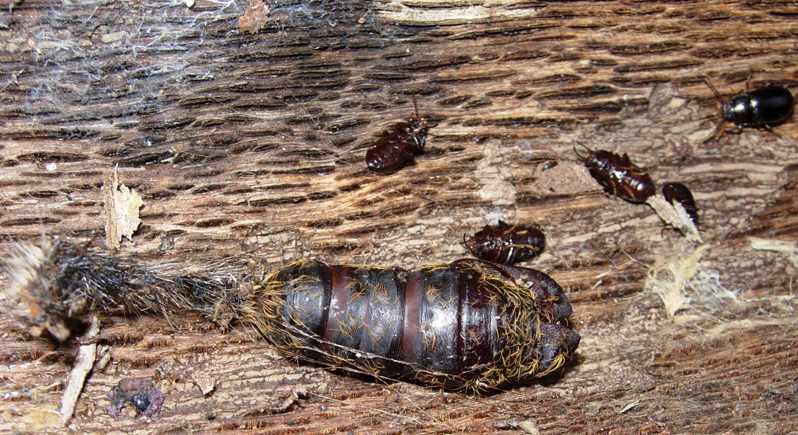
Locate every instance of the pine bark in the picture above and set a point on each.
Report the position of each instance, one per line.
(252, 143)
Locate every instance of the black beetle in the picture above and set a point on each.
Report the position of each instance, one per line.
(762, 108)
(141, 402)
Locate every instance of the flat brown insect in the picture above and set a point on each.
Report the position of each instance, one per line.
(618, 175)
(507, 244)
(679, 192)
(398, 147)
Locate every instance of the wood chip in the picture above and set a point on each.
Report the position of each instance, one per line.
(83, 364)
(205, 382)
(255, 17)
(121, 210)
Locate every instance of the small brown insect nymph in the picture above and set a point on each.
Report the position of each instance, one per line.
(618, 175)
(398, 147)
(507, 244)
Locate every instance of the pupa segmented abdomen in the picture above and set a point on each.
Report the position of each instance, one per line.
(470, 324)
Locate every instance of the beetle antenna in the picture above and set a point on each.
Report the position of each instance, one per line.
(719, 128)
(581, 156)
(715, 91)
(415, 105)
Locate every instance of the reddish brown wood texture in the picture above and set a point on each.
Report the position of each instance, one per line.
(254, 144)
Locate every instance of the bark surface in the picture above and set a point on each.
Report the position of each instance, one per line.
(247, 137)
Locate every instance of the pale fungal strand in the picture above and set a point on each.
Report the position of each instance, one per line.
(675, 216)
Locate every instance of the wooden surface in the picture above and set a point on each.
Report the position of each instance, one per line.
(253, 144)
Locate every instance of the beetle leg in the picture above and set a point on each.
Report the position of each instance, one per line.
(719, 130)
(737, 129)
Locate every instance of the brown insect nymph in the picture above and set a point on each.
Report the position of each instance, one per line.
(618, 175)
(399, 147)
